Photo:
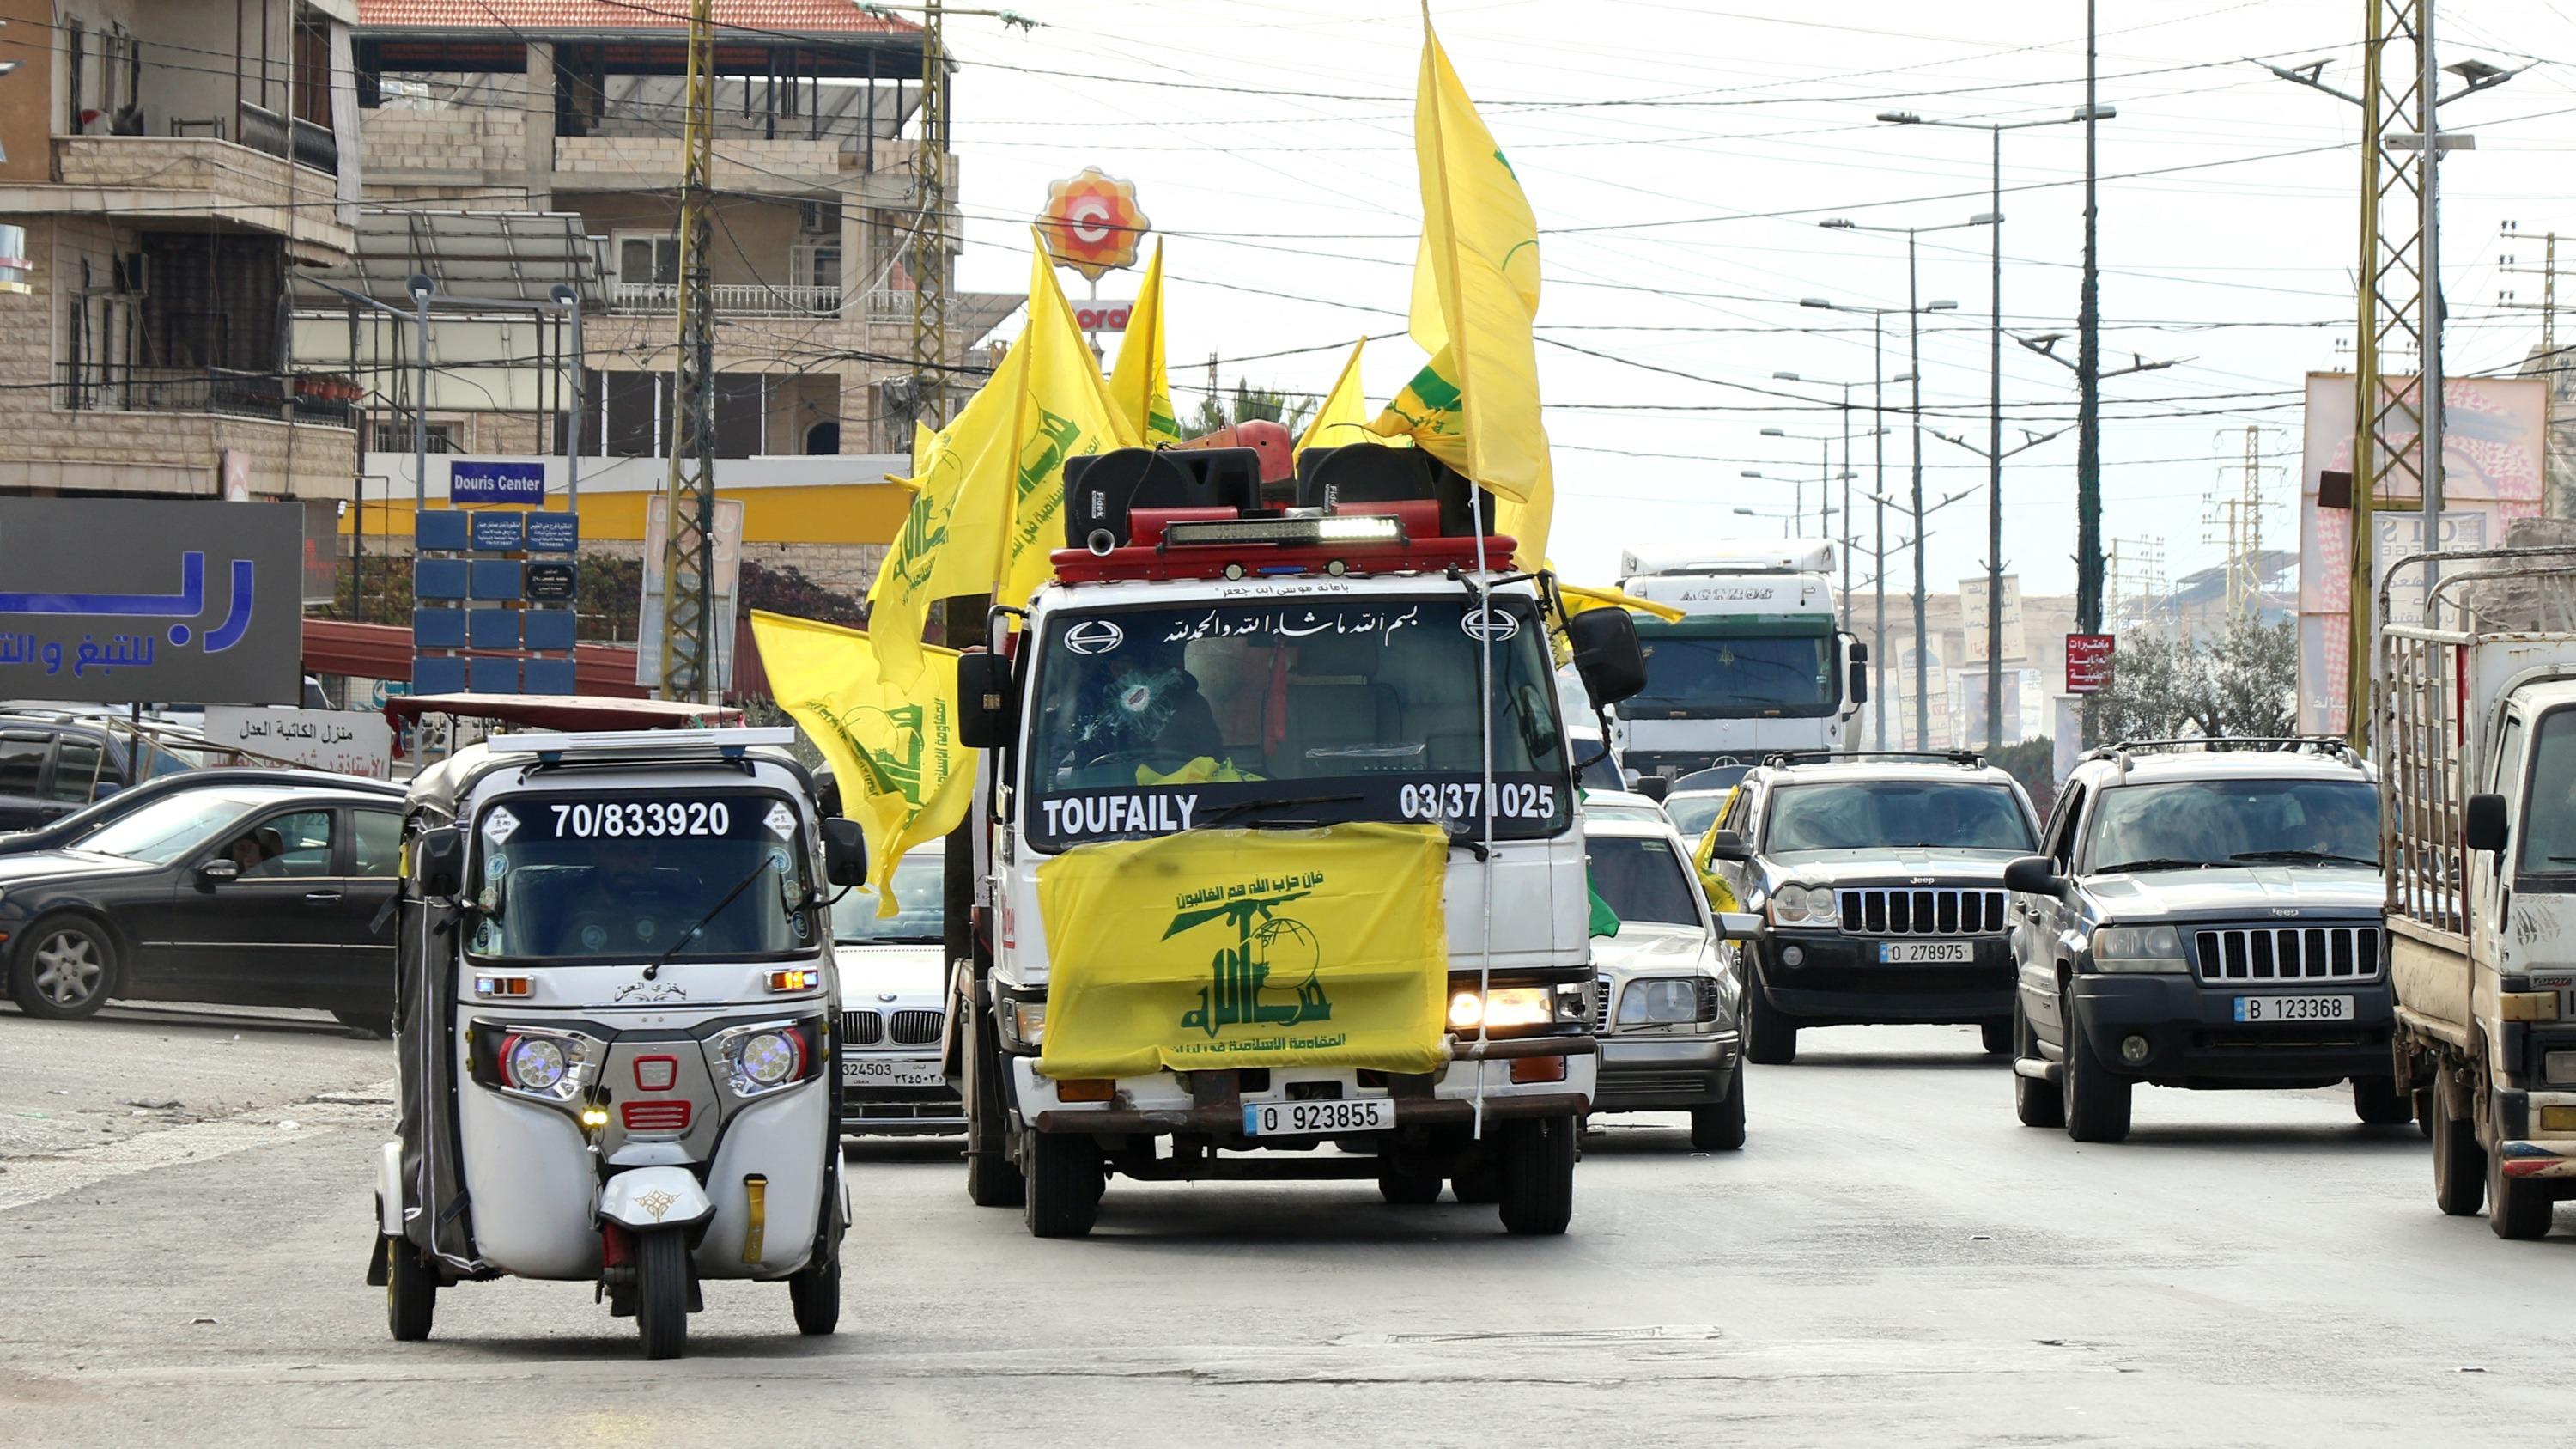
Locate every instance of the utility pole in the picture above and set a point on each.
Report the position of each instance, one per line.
(2088, 380)
(1922, 698)
(930, 228)
(688, 539)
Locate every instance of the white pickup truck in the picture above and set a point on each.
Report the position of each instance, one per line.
(2476, 727)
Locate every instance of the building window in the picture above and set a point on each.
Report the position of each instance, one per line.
(644, 259)
(394, 435)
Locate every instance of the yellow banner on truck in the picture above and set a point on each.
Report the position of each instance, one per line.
(1239, 948)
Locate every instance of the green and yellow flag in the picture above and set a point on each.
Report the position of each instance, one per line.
(951, 539)
(1063, 410)
(1476, 291)
(1343, 416)
(1139, 392)
(1220, 948)
(904, 777)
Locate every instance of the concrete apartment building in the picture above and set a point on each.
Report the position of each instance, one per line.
(165, 167)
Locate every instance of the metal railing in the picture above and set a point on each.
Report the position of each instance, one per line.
(739, 299)
(124, 387)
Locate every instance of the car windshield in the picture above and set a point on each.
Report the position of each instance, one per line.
(574, 877)
(168, 828)
(1642, 879)
(919, 910)
(1615, 810)
(1896, 815)
(2182, 824)
(1314, 709)
(1691, 814)
(1693, 672)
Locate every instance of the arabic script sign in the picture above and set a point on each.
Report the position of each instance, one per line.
(2088, 662)
(125, 601)
(352, 742)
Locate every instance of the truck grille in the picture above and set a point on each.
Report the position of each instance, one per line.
(861, 1028)
(1600, 1004)
(2288, 953)
(916, 1028)
(1922, 912)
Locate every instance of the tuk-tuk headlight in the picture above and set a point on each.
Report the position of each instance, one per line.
(549, 1066)
(770, 1057)
(533, 1063)
(767, 1057)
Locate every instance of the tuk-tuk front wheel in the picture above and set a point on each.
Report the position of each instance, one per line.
(411, 1292)
(815, 1290)
(662, 1291)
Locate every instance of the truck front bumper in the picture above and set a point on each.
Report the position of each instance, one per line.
(1664, 1073)
(1211, 1103)
(1839, 980)
(2194, 1040)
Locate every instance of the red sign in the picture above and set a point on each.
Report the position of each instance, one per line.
(1102, 316)
(2088, 663)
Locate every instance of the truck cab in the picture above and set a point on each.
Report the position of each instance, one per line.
(1755, 667)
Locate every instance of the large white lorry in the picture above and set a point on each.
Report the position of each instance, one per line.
(2475, 719)
(1756, 667)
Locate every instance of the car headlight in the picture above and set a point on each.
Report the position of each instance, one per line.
(2139, 948)
(1811, 906)
(1663, 1000)
(1024, 1022)
(1504, 1006)
(765, 1057)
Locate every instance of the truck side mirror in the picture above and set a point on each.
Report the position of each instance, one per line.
(1859, 671)
(986, 702)
(1607, 655)
(2482, 824)
(1654, 787)
(2034, 875)
(1729, 845)
(845, 852)
(438, 862)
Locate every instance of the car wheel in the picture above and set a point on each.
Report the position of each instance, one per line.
(1537, 1197)
(2096, 1102)
(2459, 1163)
(1064, 1184)
(2036, 1100)
(65, 970)
(1769, 1037)
(2378, 1102)
(1719, 1127)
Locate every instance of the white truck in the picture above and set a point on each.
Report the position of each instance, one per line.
(1201, 661)
(2475, 718)
(1757, 667)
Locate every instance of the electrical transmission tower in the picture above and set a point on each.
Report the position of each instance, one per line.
(688, 548)
(2510, 263)
(2232, 514)
(2132, 568)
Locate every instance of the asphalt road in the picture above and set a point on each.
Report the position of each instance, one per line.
(1890, 1258)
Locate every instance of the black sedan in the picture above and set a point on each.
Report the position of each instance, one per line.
(68, 829)
(248, 894)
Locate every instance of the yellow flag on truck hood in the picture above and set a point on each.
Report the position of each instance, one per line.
(1235, 948)
(903, 775)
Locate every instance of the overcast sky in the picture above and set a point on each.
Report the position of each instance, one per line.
(1679, 157)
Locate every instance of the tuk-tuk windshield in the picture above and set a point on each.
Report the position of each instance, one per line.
(628, 876)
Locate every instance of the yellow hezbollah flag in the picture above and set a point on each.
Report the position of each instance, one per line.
(1064, 410)
(1343, 416)
(1223, 948)
(1139, 391)
(904, 777)
(951, 539)
(1478, 398)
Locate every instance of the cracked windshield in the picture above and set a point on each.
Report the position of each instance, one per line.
(584, 876)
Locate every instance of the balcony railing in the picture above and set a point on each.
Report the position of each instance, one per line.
(739, 299)
(123, 387)
(290, 138)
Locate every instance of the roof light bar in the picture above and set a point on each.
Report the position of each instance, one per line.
(1363, 528)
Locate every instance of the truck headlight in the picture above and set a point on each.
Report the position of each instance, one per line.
(1504, 1006)
(1810, 906)
(1659, 1001)
(1023, 1021)
(2139, 948)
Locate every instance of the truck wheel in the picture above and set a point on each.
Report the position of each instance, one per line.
(815, 1292)
(1064, 1184)
(2518, 1207)
(1769, 1037)
(2424, 1112)
(1996, 1037)
(2459, 1163)
(2378, 1103)
(2036, 1100)
(992, 1179)
(411, 1292)
(2096, 1102)
(662, 1291)
(1537, 1196)
(1409, 1189)
(1720, 1127)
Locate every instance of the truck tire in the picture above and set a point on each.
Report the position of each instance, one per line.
(992, 1179)
(411, 1292)
(2424, 1112)
(2096, 1102)
(1064, 1184)
(2378, 1102)
(662, 1291)
(2519, 1208)
(2459, 1163)
(1769, 1037)
(1720, 1127)
(2036, 1100)
(1996, 1037)
(1537, 1196)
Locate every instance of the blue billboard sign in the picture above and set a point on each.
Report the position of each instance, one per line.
(469, 482)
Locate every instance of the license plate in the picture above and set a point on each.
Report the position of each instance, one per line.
(1306, 1119)
(2294, 1008)
(1925, 953)
(892, 1071)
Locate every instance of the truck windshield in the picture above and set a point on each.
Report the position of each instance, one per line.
(1896, 815)
(1641, 879)
(1313, 709)
(2189, 824)
(2546, 825)
(1696, 669)
(920, 910)
(627, 876)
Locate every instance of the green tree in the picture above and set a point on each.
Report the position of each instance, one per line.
(2033, 762)
(2243, 684)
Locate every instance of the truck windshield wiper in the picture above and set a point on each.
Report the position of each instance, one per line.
(2321, 856)
(1266, 802)
(2155, 863)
